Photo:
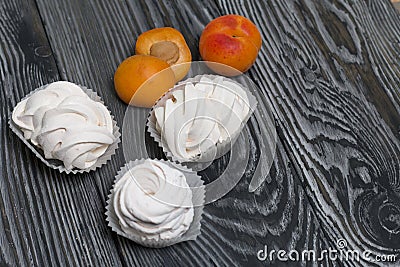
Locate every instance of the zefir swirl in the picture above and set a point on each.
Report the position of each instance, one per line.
(66, 124)
(153, 202)
(197, 116)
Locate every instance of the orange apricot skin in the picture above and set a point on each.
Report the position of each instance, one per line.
(232, 40)
(148, 38)
(134, 72)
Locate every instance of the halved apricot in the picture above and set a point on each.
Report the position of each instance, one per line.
(167, 44)
(136, 83)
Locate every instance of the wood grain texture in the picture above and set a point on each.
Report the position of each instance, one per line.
(331, 70)
(47, 219)
(89, 40)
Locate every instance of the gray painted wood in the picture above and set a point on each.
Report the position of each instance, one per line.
(331, 70)
(47, 219)
(105, 36)
(321, 96)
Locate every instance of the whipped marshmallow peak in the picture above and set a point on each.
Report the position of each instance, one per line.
(153, 201)
(197, 116)
(66, 124)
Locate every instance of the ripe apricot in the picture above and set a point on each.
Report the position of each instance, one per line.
(167, 44)
(136, 82)
(232, 40)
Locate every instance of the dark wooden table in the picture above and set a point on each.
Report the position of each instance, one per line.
(330, 71)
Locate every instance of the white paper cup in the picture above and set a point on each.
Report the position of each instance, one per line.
(58, 164)
(221, 148)
(198, 195)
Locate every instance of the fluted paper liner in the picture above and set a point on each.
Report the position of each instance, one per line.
(221, 147)
(58, 164)
(198, 195)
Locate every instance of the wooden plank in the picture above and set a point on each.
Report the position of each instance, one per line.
(331, 71)
(90, 39)
(47, 219)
